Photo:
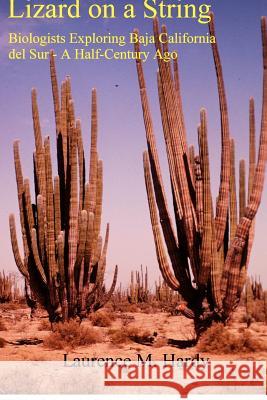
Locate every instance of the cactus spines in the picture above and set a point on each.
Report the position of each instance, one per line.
(64, 262)
(210, 254)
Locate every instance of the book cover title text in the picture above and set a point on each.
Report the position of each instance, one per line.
(175, 9)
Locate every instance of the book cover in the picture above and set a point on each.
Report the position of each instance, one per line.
(133, 206)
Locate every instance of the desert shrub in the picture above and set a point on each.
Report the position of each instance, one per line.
(138, 336)
(126, 319)
(126, 307)
(133, 308)
(71, 334)
(102, 318)
(2, 326)
(118, 336)
(2, 343)
(44, 325)
(146, 308)
(218, 339)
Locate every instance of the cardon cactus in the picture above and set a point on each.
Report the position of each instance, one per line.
(209, 249)
(64, 255)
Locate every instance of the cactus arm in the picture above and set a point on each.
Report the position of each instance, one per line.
(179, 98)
(62, 279)
(79, 265)
(98, 250)
(40, 175)
(28, 206)
(36, 257)
(14, 242)
(161, 255)
(82, 238)
(206, 251)
(176, 196)
(223, 200)
(233, 199)
(98, 208)
(252, 166)
(191, 152)
(55, 91)
(181, 114)
(40, 226)
(102, 260)
(93, 154)
(181, 163)
(73, 215)
(64, 123)
(20, 191)
(199, 195)
(106, 297)
(252, 145)
(57, 206)
(165, 220)
(242, 188)
(36, 121)
(178, 211)
(50, 226)
(81, 165)
(88, 245)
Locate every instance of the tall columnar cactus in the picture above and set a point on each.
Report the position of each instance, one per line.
(138, 291)
(208, 249)
(64, 255)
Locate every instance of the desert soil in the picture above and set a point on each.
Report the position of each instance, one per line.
(18, 326)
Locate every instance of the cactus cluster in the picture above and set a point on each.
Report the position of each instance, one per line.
(206, 252)
(138, 291)
(9, 289)
(255, 301)
(165, 294)
(256, 288)
(64, 255)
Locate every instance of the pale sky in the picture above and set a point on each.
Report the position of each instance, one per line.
(121, 129)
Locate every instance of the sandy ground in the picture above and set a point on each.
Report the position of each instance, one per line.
(18, 325)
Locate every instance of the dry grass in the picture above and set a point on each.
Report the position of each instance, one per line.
(219, 340)
(71, 335)
(13, 306)
(44, 325)
(2, 326)
(102, 318)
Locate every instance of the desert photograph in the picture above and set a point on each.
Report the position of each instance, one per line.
(133, 216)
